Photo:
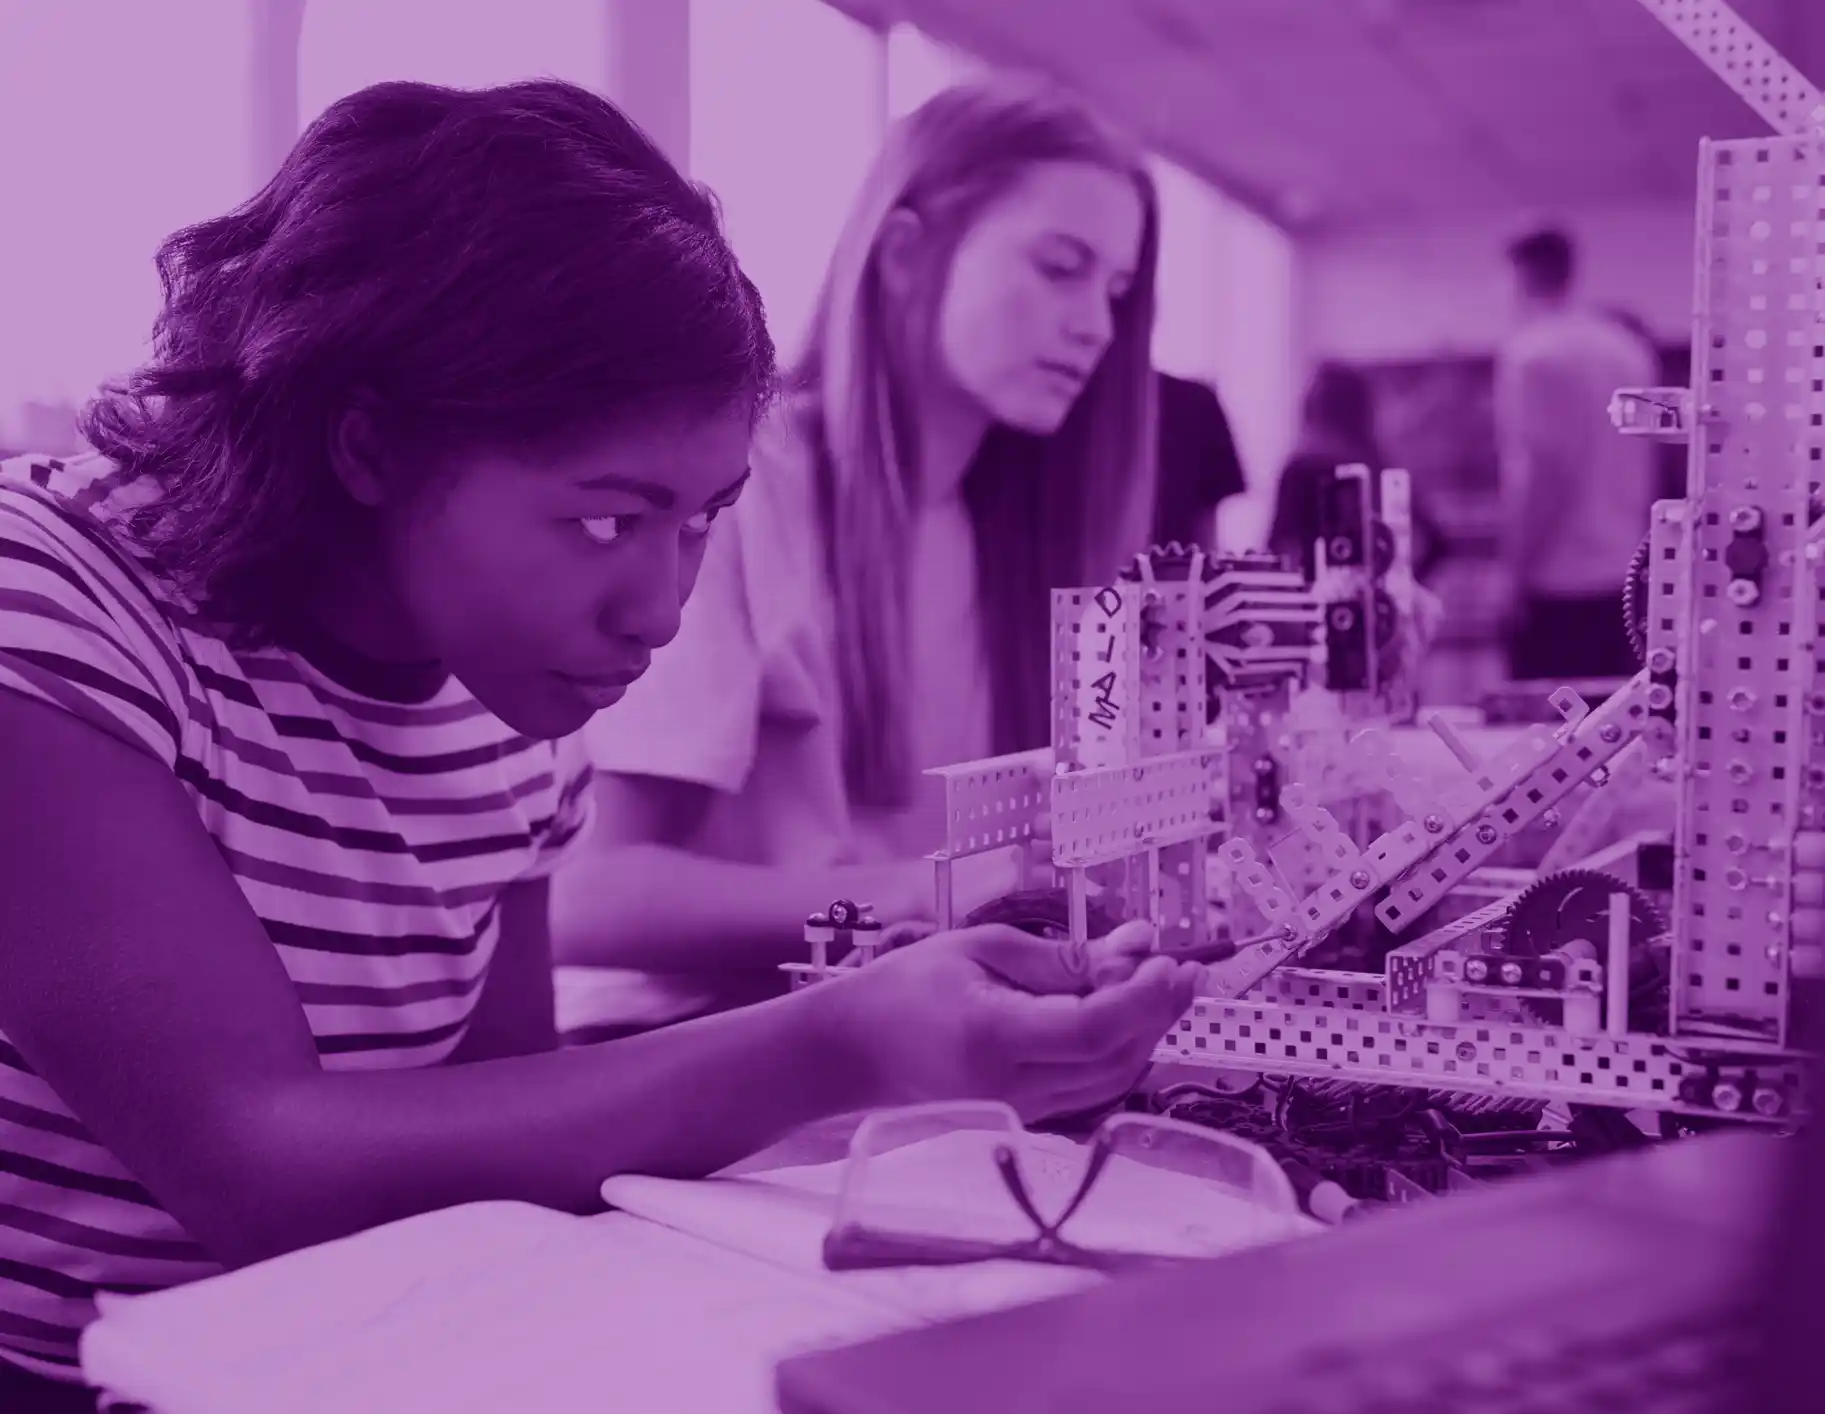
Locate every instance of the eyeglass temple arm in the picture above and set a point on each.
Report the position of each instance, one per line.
(1017, 1188)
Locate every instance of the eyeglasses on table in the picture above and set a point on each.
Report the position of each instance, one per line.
(947, 1184)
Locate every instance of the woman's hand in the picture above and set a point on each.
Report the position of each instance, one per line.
(995, 1013)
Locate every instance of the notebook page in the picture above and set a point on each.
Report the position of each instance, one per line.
(607, 1313)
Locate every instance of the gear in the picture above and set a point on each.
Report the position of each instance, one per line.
(1563, 907)
(1573, 904)
(1635, 601)
(1169, 564)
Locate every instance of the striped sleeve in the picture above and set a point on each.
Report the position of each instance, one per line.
(78, 629)
(575, 812)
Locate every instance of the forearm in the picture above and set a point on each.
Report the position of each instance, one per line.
(348, 1151)
(658, 909)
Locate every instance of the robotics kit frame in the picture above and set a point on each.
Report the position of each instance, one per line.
(1730, 700)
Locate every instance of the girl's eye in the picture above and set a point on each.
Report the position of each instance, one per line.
(605, 530)
(700, 523)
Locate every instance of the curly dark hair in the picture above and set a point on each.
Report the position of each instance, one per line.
(499, 267)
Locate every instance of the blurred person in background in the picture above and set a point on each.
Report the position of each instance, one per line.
(1199, 466)
(1337, 429)
(1576, 494)
(971, 425)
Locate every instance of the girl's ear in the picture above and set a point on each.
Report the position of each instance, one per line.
(357, 457)
(901, 250)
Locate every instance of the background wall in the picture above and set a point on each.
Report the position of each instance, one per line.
(85, 207)
(349, 44)
(788, 102)
(1400, 294)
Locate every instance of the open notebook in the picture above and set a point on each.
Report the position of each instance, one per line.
(683, 1302)
(782, 1216)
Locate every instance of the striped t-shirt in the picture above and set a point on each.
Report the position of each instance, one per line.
(373, 838)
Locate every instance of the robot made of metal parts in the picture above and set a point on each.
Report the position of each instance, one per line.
(1117, 811)
(846, 934)
(1725, 602)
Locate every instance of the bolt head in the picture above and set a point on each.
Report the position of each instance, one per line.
(1359, 879)
(1485, 834)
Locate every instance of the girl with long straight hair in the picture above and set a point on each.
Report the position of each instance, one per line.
(970, 425)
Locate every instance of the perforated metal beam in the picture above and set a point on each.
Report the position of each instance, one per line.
(1756, 71)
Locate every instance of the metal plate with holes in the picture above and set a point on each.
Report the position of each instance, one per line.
(1366, 1045)
(1746, 662)
(995, 803)
(1096, 675)
(1597, 737)
(1173, 703)
(1770, 85)
(1104, 814)
(1410, 965)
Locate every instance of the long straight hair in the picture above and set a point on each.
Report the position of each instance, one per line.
(1049, 512)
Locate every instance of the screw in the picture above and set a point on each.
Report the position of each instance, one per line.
(1741, 699)
(1433, 825)
(1609, 733)
(1485, 834)
(1360, 879)
(1746, 520)
(1466, 1051)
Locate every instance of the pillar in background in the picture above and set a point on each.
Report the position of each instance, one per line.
(649, 70)
(277, 33)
